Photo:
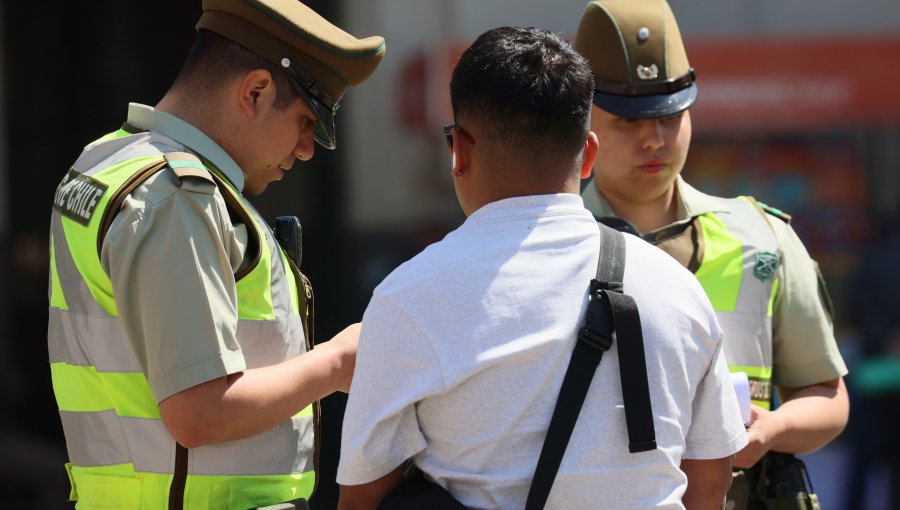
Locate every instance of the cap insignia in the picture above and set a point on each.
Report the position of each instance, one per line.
(647, 72)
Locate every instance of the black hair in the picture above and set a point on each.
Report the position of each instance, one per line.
(528, 89)
(214, 58)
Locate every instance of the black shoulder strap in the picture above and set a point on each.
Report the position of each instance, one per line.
(609, 311)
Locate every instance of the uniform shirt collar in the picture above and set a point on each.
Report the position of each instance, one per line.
(151, 119)
(691, 202)
(595, 202)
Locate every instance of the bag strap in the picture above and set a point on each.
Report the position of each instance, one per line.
(608, 311)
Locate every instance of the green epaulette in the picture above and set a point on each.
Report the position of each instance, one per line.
(778, 213)
(185, 164)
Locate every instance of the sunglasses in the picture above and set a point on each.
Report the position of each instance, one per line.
(448, 134)
(320, 102)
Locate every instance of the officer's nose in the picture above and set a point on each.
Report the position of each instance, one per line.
(653, 134)
(306, 146)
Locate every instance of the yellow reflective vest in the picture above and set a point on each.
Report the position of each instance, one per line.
(120, 452)
(739, 274)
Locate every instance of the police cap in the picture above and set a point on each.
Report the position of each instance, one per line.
(641, 70)
(321, 60)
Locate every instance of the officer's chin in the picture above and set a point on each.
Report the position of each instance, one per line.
(254, 189)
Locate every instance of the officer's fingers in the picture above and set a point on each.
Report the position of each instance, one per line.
(756, 412)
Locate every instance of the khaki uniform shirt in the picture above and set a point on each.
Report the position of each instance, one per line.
(804, 348)
(171, 254)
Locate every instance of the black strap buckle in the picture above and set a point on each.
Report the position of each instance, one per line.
(598, 320)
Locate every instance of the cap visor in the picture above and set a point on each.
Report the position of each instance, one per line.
(324, 130)
(324, 133)
(647, 107)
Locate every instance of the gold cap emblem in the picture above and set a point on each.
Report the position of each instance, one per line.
(647, 72)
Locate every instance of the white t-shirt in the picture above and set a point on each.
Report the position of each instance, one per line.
(463, 351)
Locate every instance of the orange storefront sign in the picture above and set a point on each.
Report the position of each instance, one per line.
(795, 84)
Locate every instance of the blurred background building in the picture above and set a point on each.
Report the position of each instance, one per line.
(799, 106)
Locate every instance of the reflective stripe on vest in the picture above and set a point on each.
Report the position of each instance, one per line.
(738, 274)
(120, 453)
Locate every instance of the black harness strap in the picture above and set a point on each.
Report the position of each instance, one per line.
(608, 311)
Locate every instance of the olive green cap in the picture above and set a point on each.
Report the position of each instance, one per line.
(321, 59)
(635, 50)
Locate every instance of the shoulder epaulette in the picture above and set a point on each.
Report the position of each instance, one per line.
(185, 164)
(778, 213)
(767, 209)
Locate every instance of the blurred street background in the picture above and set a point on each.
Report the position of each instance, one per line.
(799, 106)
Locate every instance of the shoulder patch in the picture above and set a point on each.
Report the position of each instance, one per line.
(77, 196)
(185, 164)
(778, 213)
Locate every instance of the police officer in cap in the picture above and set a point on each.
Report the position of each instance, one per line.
(767, 292)
(179, 331)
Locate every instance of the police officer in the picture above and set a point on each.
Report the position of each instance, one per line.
(179, 330)
(767, 292)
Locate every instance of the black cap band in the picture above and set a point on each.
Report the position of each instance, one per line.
(646, 89)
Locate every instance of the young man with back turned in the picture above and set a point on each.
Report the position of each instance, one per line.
(463, 348)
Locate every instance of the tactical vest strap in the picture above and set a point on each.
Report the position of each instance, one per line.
(235, 206)
(307, 317)
(115, 202)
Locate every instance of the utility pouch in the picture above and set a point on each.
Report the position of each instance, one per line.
(785, 484)
(779, 481)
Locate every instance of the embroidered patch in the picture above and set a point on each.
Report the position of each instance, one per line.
(760, 389)
(77, 196)
(766, 264)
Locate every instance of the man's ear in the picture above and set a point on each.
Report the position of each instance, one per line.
(256, 91)
(461, 156)
(591, 148)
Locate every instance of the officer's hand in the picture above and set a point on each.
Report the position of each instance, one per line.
(764, 426)
(344, 345)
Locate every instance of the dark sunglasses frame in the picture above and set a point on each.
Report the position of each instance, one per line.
(320, 102)
(448, 134)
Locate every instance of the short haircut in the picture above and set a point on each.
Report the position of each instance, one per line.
(529, 89)
(214, 58)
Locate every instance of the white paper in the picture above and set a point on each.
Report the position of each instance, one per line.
(742, 388)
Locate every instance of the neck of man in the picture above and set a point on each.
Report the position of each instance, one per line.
(648, 215)
(209, 116)
(197, 113)
(499, 185)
